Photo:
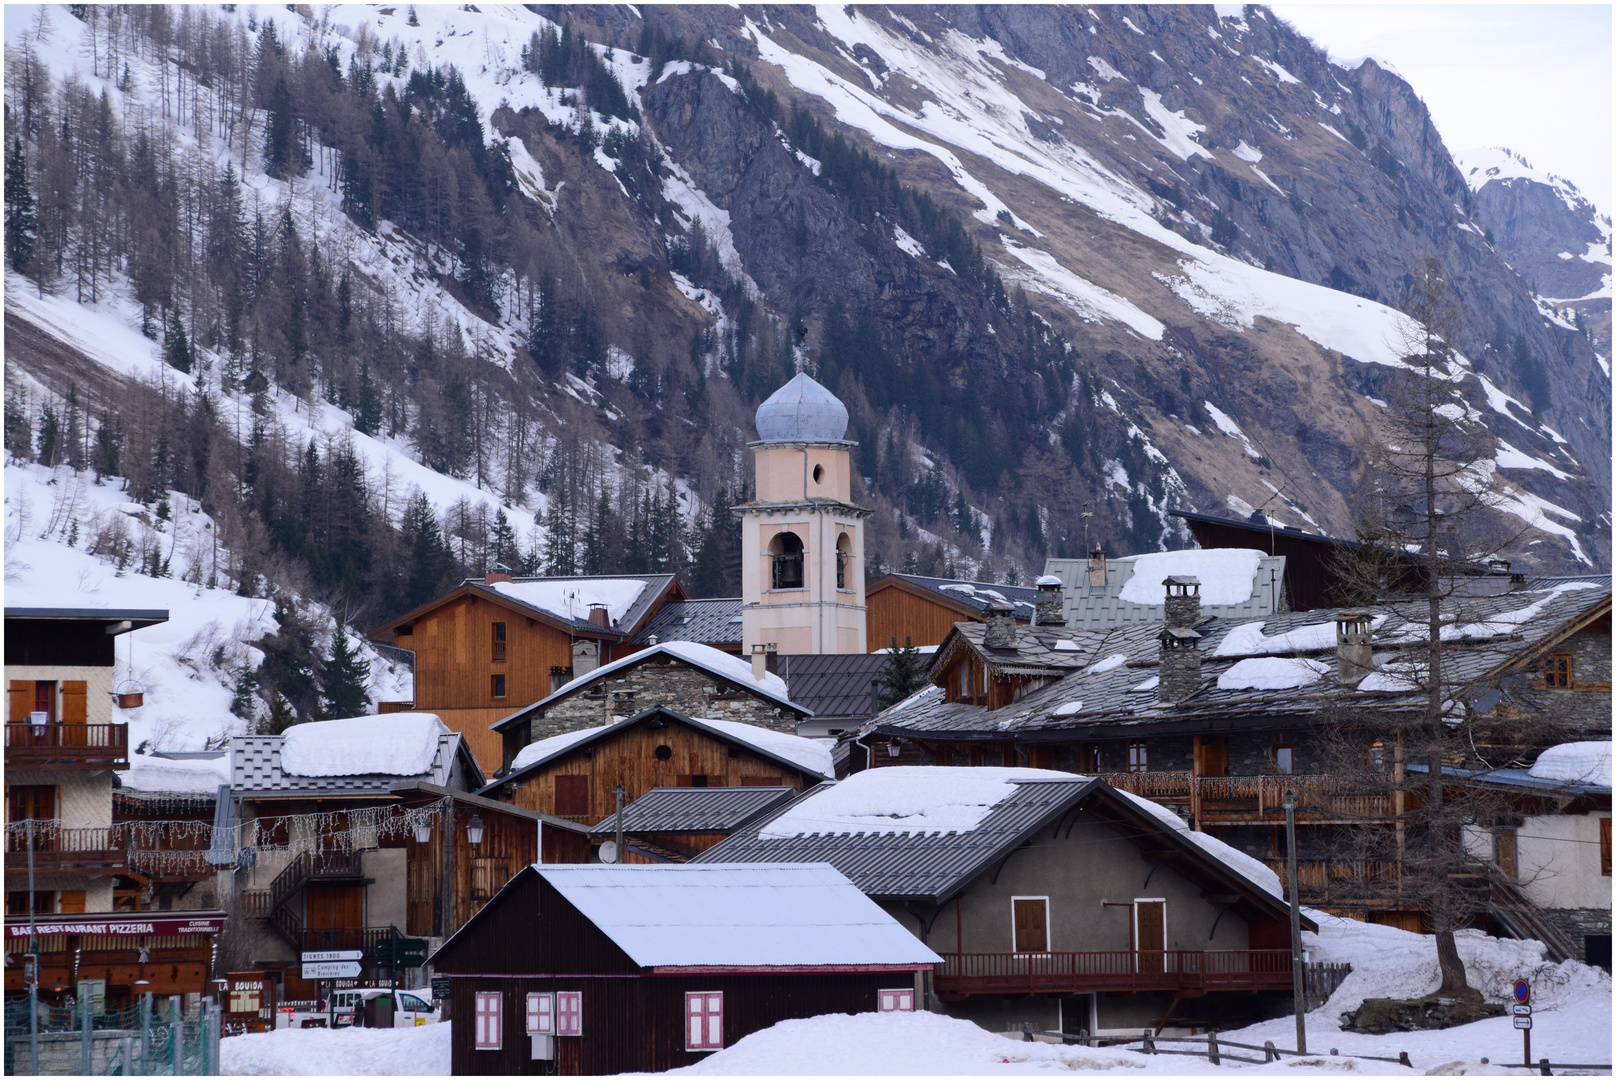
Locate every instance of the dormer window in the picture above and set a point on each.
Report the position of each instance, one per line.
(785, 550)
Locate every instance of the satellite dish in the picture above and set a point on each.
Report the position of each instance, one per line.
(608, 851)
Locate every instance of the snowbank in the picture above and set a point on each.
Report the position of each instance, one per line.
(1226, 576)
(1575, 763)
(399, 744)
(912, 799)
(418, 1051)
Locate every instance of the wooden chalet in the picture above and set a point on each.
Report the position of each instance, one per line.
(919, 610)
(575, 776)
(499, 642)
(1053, 899)
(673, 825)
(1218, 718)
(594, 970)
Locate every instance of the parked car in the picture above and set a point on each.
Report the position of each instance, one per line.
(366, 1006)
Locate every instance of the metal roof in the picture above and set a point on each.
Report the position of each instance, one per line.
(707, 622)
(802, 411)
(833, 684)
(140, 616)
(1517, 778)
(710, 809)
(977, 595)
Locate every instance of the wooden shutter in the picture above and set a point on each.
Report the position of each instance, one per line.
(895, 1000)
(569, 1006)
(704, 1020)
(72, 902)
(487, 1034)
(1604, 846)
(1151, 916)
(1031, 924)
(541, 1014)
(1504, 851)
(572, 796)
(22, 700)
(74, 709)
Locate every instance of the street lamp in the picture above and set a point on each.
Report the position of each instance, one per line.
(474, 830)
(1298, 991)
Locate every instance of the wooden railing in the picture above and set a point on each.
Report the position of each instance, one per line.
(1122, 969)
(255, 903)
(67, 746)
(1322, 880)
(1236, 799)
(96, 851)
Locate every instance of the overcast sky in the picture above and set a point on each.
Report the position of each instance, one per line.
(1533, 77)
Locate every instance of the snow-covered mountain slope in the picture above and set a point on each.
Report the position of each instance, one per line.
(1201, 225)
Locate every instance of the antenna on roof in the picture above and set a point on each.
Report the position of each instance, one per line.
(1087, 513)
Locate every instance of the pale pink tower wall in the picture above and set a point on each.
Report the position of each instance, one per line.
(804, 481)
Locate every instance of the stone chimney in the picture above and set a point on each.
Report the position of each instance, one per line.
(493, 578)
(1001, 626)
(1050, 609)
(1097, 568)
(1498, 566)
(1354, 658)
(1517, 582)
(1183, 601)
(1179, 675)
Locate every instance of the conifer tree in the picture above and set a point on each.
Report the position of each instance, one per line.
(905, 673)
(280, 150)
(176, 346)
(502, 547)
(22, 220)
(343, 678)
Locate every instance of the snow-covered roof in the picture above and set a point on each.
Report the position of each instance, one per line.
(1585, 763)
(904, 799)
(399, 744)
(192, 775)
(1226, 575)
(811, 756)
(750, 915)
(1272, 673)
(720, 664)
(571, 598)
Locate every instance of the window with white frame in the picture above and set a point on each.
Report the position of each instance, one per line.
(541, 1014)
(704, 1020)
(486, 1033)
(569, 1008)
(895, 1000)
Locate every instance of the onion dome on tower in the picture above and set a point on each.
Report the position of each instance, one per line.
(802, 411)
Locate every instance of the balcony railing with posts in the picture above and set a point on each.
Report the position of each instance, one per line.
(1121, 969)
(1323, 881)
(82, 851)
(67, 746)
(1243, 799)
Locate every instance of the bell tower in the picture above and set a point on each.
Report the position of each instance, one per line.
(802, 539)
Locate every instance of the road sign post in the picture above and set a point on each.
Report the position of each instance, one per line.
(1523, 1018)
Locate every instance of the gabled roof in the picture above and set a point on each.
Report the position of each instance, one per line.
(1115, 687)
(257, 771)
(720, 665)
(693, 809)
(925, 833)
(562, 602)
(833, 684)
(1040, 650)
(716, 918)
(969, 598)
(808, 756)
(707, 622)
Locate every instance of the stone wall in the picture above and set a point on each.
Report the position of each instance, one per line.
(669, 683)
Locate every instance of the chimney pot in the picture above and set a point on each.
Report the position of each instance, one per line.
(1050, 609)
(1517, 582)
(1354, 652)
(495, 578)
(759, 662)
(1097, 568)
(1183, 601)
(771, 657)
(599, 616)
(1001, 626)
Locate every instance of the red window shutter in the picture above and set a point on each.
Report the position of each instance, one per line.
(569, 1006)
(704, 1020)
(540, 1014)
(487, 1033)
(895, 1000)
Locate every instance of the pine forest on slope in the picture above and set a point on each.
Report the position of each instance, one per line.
(397, 293)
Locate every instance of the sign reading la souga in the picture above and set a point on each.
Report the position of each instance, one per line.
(118, 926)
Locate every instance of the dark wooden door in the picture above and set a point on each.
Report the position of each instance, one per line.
(1031, 916)
(1151, 919)
(336, 912)
(1504, 851)
(1211, 756)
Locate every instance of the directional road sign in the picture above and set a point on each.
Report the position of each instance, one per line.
(1523, 1023)
(1522, 1010)
(403, 952)
(332, 956)
(345, 969)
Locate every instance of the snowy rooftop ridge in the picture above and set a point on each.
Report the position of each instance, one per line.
(152, 773)
(572, 599)
(903, 799)
(808, 754)
(737, 915)
(1227, 576)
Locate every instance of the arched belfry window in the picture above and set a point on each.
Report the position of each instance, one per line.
(844, 556)
(786, 551)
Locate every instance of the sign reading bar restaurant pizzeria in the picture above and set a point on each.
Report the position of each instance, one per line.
(118, 926)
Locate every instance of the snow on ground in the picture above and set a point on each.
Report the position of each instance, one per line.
(418, 1051)
(1226, 576)
(401, 744)
(55, 518)
(909, 799)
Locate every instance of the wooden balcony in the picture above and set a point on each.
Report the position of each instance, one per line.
(1327, 881)
(97, 852)
(1248, 800)
(1173, 970)
(67, 746)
